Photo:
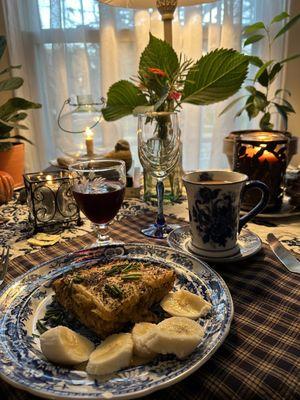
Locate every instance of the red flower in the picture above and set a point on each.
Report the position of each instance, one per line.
(174, 95)
(157, 71)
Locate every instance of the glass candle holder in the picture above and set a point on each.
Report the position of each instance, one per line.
(50, 199)
(262, 156)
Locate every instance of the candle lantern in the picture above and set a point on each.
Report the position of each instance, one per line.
(80, 133)
(50, 199)
(262, 156)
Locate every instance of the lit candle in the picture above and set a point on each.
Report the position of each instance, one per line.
(50, 182)
(89, 142)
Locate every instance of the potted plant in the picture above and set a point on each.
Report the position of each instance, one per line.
(259, 101)
(165, 81)
(11, 116)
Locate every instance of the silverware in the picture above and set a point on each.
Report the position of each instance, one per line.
(283, 255)
(4, 263)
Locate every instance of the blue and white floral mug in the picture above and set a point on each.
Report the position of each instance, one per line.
(214, 199)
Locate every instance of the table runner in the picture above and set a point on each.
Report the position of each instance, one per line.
(260, 357)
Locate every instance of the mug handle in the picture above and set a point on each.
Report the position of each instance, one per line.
(260, 206)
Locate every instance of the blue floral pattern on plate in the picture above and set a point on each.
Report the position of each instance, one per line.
(24, 302)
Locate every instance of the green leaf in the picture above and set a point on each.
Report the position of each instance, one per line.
(230, 105)
(282, 111)
(18, 117)
(274, 71)
(4, 71)
(265, 123)
(11, 83)
(260, 101)
(280, 17)
(251, 108)
(159, 54)
(215, 77)
(12, 106)
(262, 69)
(2, 45)
(253, 39)
(290, 108)
(282, 90)
(254, 60)
(4, 130)
(290, 58)
(254, 27)
(251, 89)
(21, 137)
(122, 98)
(287, 26)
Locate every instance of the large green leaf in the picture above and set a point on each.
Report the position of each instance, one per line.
(11, 83)
(215, 77)
(159, 54)
(253, 39)
(254, 27)
(122, 98)
(12, 106)
(287, 26)
(2, 45)
(280, 17)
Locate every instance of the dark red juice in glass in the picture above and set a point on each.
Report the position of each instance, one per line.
(101, 207)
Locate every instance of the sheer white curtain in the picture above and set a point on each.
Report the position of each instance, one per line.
(70, 47)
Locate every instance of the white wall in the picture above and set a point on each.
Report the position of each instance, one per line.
(292, 77)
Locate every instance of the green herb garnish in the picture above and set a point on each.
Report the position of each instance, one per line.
(113, 290)
(113, 270)
(131, 267)
(131, 277)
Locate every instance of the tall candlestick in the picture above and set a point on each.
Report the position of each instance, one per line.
(89, 142)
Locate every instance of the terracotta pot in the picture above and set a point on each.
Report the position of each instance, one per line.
(12, 162)
(228, 144)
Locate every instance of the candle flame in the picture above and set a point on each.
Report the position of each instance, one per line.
(49, 178)
(89, 133)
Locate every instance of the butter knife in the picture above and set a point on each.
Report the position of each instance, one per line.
(283, 255)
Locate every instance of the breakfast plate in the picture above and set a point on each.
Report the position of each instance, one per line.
(24, 302)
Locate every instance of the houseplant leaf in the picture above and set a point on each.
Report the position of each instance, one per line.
(11, 83)
(4, 71)
(262, 69)
(215, 77)
(289, 58)
(254, 27)
(280, 17)
(254, 60)
(122, 98)
(265, 123)
(158, 54)
(15, 104)
(253, 39)
(287, 26)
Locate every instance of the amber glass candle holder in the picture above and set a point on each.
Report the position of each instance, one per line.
(50, 200)
(262, 156)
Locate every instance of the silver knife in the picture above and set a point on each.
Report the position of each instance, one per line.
(283, 255)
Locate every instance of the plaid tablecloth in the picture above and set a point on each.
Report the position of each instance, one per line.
(260, 357)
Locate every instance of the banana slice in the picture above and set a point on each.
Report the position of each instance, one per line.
(175, 335)
(185, 304)
(113, 354)
(140, 332)
(63, 346)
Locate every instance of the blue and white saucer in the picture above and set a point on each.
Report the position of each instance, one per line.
(24, 302)
(248, 242)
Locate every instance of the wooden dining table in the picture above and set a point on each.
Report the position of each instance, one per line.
(259, 358)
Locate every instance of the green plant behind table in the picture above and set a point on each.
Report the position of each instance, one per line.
(166, 80)
(259, 101)
(12, 112)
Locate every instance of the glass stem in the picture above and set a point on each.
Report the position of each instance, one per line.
(160, 219)
(102, 233)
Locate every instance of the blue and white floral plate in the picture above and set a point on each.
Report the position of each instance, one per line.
(248, 242)
(24, 301)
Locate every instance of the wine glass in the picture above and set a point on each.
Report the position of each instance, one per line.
(159, 149)
(99, 188)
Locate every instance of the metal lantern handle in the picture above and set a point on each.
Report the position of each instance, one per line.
(68, 101)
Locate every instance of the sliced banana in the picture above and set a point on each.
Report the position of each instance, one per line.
(140, 333)
(113, 354)
(61, 345)
(185, 304)
(175, 335)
